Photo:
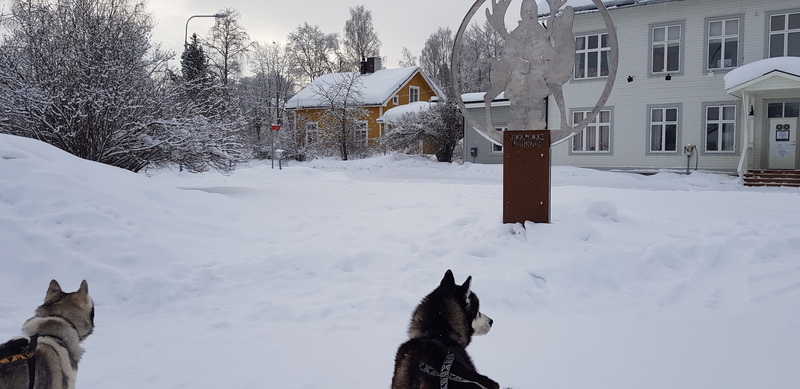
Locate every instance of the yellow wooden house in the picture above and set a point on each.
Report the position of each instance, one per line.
(380, 90)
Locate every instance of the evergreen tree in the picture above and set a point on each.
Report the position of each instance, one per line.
(194, 68)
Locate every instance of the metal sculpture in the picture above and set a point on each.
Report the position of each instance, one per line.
(536, 61)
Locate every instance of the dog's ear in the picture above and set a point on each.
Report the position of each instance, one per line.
(53, 292)
(449, 280)
(467, 287)
(83, 291)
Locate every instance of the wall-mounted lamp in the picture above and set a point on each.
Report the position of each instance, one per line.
(630, 78)
(668, 77)
(752, 111)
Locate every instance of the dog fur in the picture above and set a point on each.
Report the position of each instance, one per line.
(54, 334)
(442, 326)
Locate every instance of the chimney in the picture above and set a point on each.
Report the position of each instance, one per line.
(373, 64)
(363, 65)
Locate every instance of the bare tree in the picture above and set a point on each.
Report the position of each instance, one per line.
(360, 39)
(435, 58)
(83, 76)
(312, 52)
(343, 120)
(262, 95)
(228, 43)
(481, 44)
(408, 59)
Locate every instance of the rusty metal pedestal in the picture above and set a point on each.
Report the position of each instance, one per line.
(526, 177)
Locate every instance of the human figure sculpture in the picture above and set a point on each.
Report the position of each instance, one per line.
(537, 60)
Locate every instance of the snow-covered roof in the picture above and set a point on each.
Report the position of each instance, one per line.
(376, 88)
(477, 97)
(737, 78)
(582, 6)
(395, 113)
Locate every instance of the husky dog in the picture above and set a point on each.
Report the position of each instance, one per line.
(48, 357)
(441, 329)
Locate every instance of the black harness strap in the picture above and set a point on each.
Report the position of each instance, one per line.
(444, 375)
(32, 361)
(28, 355)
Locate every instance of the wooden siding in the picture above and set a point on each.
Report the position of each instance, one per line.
(693, 87)
(501, 116)
(426, 92)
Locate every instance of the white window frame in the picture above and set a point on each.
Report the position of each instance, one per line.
(720, 31)
(395, 100)
(312, 132)
(663, 45)
(413, 94)
(785, 32)
(496, 148)
(361, 133)
(718, 117)
(663, 125)
(585, 49)
(591, 139)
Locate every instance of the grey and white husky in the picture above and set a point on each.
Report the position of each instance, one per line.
(47, 357)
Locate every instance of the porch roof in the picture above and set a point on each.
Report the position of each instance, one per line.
(773, 77)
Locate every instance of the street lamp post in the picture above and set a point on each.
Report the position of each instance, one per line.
(186, 30)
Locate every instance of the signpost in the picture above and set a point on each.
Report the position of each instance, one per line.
(274, 128)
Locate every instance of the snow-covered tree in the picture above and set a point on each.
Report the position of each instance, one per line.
(262, 95)
(312, 52)
(343, 120)
(228, 44)
(479, 46)
(82, 75)
(408, 59)
(440, 127)
(435, 58)
(360, 39)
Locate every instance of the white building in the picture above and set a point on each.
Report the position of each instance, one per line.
(671, 89)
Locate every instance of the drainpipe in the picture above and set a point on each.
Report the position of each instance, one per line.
(747, 137)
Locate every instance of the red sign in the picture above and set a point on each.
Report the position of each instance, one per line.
(275, 127)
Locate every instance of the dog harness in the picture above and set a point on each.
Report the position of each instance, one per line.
(27, 355)
(444, 375)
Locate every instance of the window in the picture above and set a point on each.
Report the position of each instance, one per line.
(495, 147)
(663, 130)
(666, 50)
(783, 110)
(591, 56)
(723, 44)
(413, 94)
(362, 131)
(784, 35)
(720, 128)
(312, 130)
(395, 100)
(596, 137)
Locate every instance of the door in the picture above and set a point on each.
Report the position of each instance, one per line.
(783, 143)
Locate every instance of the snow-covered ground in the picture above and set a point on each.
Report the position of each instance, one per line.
(305, 277)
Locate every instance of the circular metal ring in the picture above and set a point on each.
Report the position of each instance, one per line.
(565, 133)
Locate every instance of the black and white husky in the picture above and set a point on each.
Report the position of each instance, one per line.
(441, 328)
(47, 358)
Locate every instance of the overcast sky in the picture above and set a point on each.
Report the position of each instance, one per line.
(408, 23)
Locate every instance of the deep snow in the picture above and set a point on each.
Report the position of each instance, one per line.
(305, 277)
